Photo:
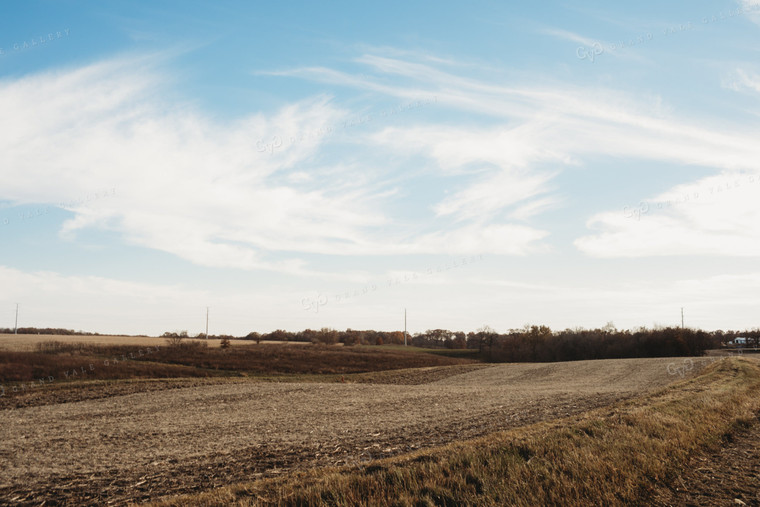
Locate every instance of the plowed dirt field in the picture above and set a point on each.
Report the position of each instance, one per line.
(140, 446)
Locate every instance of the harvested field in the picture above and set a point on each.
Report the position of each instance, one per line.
(28, 342)
(141, 446)
(57, 361)
(81, 391)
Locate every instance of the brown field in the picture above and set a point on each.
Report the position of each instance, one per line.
(692, 442)
(28, 378)
(140, 446)
(28, 342)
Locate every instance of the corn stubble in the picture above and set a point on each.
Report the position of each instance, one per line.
(609, 456)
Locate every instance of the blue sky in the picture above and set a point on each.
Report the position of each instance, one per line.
(299, 165)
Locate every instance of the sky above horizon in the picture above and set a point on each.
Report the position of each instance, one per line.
(294, 166)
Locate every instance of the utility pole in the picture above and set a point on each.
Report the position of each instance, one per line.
(15, 326)
(207, 322)
(404, 327)
(682, 317)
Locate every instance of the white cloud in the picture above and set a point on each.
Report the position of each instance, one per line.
(185, 184)
(535, 207)
(744, 80)
(542, 131)
(483, 199)
(247, 194)
(499, 158)
(752, 9)
(717, 215)
(252, 193)
(591, 49)
(502, 239)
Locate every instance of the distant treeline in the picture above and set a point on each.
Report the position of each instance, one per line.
(332, 336)
(540, 344)
(530, 343)
(536, 343)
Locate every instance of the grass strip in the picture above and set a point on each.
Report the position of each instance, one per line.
(609, 456)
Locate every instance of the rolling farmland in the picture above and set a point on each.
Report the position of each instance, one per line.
(140, 446)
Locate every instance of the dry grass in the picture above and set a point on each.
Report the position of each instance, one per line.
(29, 342)
(607, 456)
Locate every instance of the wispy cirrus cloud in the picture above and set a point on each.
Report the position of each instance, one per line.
(540, 132)
(206, 192)
(202, 190)
(187, 185)
(743, 80)
(565, 120)
(588, 48)
(751, 8)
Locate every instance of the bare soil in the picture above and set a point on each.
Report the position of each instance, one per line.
(52, 394)
(140, 446)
